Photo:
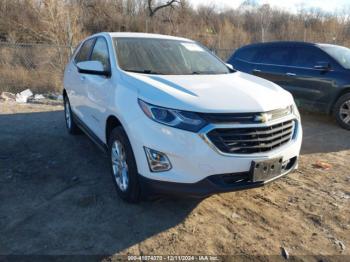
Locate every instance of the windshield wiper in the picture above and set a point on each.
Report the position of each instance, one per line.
(207, 73)
(204, 73)
(146, 71)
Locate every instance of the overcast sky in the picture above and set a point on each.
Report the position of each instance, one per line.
(291, 5)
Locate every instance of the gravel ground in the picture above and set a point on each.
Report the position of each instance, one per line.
(57, 198)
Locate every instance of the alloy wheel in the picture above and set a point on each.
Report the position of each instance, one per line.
(119, 165)
(67, 114)
(344, 112)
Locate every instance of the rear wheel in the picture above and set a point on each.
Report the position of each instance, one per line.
(342, 111)
(123, 166)
(72, 128)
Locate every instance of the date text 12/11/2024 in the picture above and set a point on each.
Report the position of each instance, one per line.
(173, 258)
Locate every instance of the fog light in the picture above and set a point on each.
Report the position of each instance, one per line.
(157, 161)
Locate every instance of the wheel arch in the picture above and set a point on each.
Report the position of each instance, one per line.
(111, 123)
(340, 94)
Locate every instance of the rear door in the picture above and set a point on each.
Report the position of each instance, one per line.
(311, 87)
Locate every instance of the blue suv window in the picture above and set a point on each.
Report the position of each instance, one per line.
(246, 54)
(275, 55)
(308, 57)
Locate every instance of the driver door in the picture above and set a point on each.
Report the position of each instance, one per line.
(97, 90)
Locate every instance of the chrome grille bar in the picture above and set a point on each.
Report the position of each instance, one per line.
(249, 140)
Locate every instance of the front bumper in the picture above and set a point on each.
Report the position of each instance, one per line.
(193, 161)
(209, 185)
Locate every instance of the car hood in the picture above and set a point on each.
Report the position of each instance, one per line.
(236, 92)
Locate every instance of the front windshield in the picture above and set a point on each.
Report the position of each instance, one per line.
(339, 53)
(167, 57)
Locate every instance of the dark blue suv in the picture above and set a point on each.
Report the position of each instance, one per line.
(318, 75)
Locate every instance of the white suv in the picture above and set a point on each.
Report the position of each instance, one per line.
(175, 119)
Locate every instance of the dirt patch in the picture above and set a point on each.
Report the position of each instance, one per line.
(57, 197)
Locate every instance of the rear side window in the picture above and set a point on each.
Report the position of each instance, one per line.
(308, 57)
(275, 55)
(100, 53)
(247, 54)
(84, 52)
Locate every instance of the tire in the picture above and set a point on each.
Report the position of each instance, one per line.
(123, 166)
(342, 111)
(72, 127)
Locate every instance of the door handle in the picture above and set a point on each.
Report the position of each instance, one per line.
(291, 74)
(82, 78)
(256, 71)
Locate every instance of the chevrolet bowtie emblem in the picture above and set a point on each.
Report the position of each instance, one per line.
(263, 118)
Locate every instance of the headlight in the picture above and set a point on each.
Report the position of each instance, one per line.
(295, 111)
(171, 117)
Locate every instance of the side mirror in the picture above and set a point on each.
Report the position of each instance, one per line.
(323, 66)
(229, 66)
(92, 68)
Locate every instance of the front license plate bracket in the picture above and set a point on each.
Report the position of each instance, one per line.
(266, 169)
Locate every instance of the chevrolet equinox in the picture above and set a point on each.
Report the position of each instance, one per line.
(176, 119)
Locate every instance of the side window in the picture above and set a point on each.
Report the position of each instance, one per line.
(247, 54)
(308, 57)
(100, 53)
(84, 52)
(275, 55)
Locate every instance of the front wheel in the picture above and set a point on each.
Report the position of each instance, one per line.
(342, 111)
(123, 166)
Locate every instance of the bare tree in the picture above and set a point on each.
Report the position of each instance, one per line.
(152, 10)
(265, 20)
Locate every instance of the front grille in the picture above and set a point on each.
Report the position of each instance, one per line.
(251, 140)
(243, 118)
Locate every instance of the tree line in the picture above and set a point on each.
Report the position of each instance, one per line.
(66, 22)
